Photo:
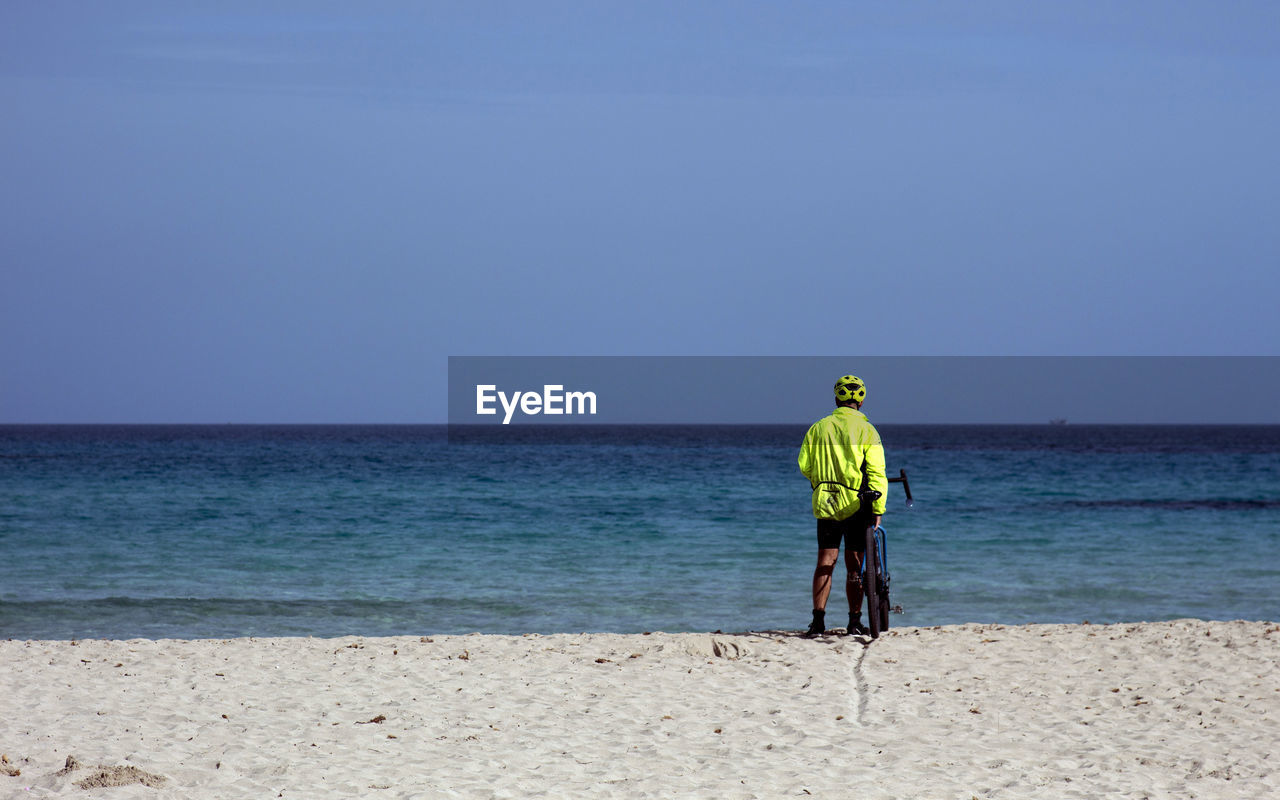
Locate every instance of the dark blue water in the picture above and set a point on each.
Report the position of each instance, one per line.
(219, 531)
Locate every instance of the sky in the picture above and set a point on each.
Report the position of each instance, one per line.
(296, 212)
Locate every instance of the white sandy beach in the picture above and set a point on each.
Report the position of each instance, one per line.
(1177, 709)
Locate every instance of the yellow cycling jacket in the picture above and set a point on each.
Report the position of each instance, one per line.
(837, 451)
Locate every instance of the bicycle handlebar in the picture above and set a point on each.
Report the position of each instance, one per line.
(906, 487)
(872, 494)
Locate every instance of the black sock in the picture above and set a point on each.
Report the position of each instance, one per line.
(819, 615)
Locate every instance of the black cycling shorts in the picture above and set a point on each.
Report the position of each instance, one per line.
(853, 530)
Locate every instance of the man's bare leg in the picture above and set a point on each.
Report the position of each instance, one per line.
(853, 581)
(827, 559)
(822, 577)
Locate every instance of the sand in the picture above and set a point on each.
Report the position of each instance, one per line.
(1173, 709)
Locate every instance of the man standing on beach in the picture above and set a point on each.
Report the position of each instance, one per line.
(841, 456)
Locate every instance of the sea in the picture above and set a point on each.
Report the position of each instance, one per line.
(219, 531)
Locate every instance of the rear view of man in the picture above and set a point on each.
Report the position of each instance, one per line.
(841, 456)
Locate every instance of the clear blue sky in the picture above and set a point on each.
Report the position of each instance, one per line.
(223, 213)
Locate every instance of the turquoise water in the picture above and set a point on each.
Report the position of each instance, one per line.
(219, 531)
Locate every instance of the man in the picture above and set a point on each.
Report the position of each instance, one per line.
(841, 456)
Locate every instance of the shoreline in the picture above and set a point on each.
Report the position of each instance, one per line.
(1176, 708)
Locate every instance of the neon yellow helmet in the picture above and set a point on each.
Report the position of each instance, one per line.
(850, 388)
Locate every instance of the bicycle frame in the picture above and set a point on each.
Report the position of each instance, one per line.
(875, 563)
(882, 553)
(882, 556)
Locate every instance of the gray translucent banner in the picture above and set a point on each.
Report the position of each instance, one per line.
(748, 390)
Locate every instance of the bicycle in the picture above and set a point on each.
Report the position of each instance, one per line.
(875, 564)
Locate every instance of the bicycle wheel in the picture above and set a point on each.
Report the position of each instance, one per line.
(871, 581)
(882, 582)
